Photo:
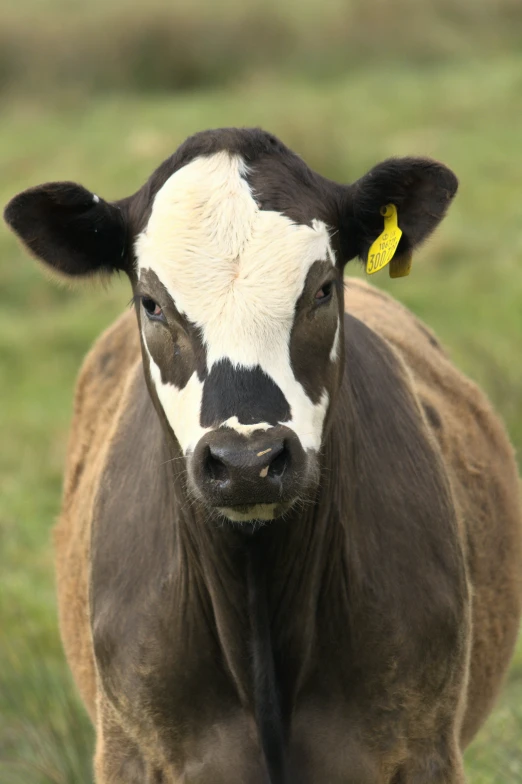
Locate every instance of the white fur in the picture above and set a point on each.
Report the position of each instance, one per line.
(236, 272)
(182, 406)
(335, 345)
(245, 430)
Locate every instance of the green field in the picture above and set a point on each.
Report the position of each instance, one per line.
(466, 283)
(56, 45)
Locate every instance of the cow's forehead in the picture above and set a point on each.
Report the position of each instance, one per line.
(233, 269)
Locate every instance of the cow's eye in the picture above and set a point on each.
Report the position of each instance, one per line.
(152, 308)
(325, 292)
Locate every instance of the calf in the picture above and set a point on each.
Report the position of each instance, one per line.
(290, 548)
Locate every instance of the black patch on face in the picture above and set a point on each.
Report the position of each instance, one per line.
(284, 183)
(176, 345)
(247, 393)
(313, 333)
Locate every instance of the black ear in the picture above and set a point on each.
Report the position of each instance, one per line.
(70, 228)
(421, 190)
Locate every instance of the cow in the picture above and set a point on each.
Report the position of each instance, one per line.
(290, 548)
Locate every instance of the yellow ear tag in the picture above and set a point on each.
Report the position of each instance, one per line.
(384, 247)
(400, 266)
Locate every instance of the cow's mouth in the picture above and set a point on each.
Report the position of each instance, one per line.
(245, 513)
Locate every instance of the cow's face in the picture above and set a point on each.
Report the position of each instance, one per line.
(235, 251)
(240, 316)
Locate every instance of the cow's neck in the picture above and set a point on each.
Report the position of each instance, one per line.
(283, 576)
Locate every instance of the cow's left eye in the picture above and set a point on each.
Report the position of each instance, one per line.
(152, 308)
(325, 292)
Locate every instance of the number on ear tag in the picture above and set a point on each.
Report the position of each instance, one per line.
(384, 247)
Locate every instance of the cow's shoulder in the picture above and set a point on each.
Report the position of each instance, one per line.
(440, 389)
(444, 393)
(110, 359)
(390, 319)
(102, 393)
(473, 442)
(99, 395)
(452, 402)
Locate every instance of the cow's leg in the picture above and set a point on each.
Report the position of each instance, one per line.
(433, 768)
(117, 759)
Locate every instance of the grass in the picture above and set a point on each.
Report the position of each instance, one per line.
(159, 45)
(466, 283)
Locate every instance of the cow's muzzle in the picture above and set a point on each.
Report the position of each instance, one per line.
(245, 477)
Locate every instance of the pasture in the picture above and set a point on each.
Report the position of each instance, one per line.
(466, 283)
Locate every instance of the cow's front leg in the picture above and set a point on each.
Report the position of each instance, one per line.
(117, 759)
(441, 765)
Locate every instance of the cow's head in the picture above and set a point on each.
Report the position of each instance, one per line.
(235, 251)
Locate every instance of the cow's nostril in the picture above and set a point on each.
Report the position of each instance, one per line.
(278, 465)
(230, 469)
(215, 468)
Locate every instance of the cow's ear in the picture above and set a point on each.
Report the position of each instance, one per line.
(71, 229)
(421, 190)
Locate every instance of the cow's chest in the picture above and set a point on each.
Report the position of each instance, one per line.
(193, 712)
(322, 747)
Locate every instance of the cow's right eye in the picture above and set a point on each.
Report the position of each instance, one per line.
(152, 308)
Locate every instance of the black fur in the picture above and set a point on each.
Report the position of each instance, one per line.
(266, 692)
(247, 393)
(70, 228)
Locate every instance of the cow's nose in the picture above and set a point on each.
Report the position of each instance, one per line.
(231, 469)
(228, 463)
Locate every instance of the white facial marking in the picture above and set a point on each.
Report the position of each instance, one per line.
(95, 198)
(181, 406)
(236, 272)
(335, 346)
(245, 430)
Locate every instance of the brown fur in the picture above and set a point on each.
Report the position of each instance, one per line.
(480, 465)
(482, 469)
(99, 394)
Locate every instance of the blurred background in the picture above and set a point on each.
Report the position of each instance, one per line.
(100, 93)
